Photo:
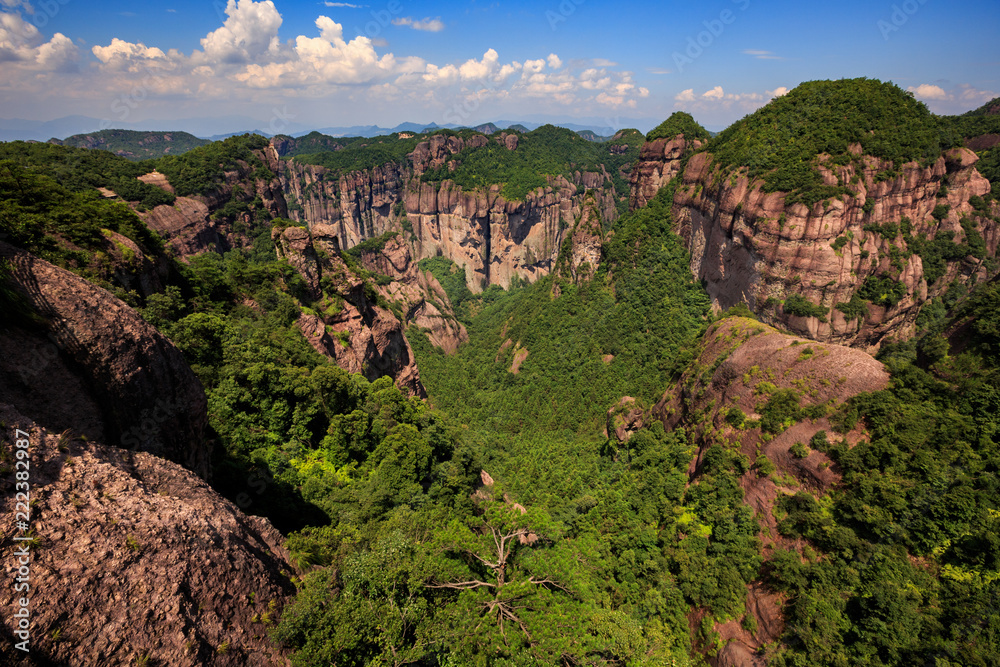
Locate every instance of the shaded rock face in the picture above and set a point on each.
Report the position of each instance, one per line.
(420, 296)
(100, 368)
(353, 330)
(659, 162)
(749, 246)
(492, 238)
(187, 226)
(740, 363)
(139, 559)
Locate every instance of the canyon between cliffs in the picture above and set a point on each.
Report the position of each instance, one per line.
(122, 416)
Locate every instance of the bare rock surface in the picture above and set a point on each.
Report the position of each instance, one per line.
(351, 329)
(494, 239)
(187, 224)
(748, 246)
(97, 366)
(137, 561)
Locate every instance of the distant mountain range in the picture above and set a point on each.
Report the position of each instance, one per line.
(213, 129)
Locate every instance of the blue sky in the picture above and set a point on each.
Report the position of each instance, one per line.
(326, 63)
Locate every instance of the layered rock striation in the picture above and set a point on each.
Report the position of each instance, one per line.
(494, 239)
(750, 246)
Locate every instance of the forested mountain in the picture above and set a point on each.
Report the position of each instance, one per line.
(516, 398)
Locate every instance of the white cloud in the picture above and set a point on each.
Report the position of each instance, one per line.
(250, 31)
(246, 63)
(685, 95)
(603, 62)
(762, 55)
(119, 53)
(658, 70)
(927, 91)
(778, 92)
(427, 24)
(533, 66)
(958, 99)
(714, 94)
(344, 4)
(23, 44)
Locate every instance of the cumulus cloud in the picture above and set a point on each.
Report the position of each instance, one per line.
(427, 24)
(245, 61)
(957, 99)
(927, 91)
(22, 43)
(250, 31)
(685, 95)
(714, 94)
(778, 92)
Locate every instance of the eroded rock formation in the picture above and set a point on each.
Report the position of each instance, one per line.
(749, 246)
(96, 366)
(188, 226)
(741, 363)
(492, 238)
(138, 561)
(351, 328)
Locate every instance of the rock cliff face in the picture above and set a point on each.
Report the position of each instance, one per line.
(740, 362)
(749, 246)
(352, 328)
(97, 367)
(659, 162)
(139, 561)
(187, 224)
(492, 238)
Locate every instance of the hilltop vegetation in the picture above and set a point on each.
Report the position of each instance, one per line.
(546, 151)
(780, 143)
(136, 145)
(678, 123)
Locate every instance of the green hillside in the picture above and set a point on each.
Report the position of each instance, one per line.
(781, 142)
(136, 145)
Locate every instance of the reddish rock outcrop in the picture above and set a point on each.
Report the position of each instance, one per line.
(187, 224)
(492, 238)
(137, 561)
(351, 328)
(741, 363)
(659, 162)
(124, 381)
(748, 246)
(419, 295)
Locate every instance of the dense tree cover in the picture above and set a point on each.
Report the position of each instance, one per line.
(546, 151)
(679, 122)
(79, 169)
(904, 568)
(360, 153)
(781, 142)
(201, 170)
(69, 227)
(137, 145)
